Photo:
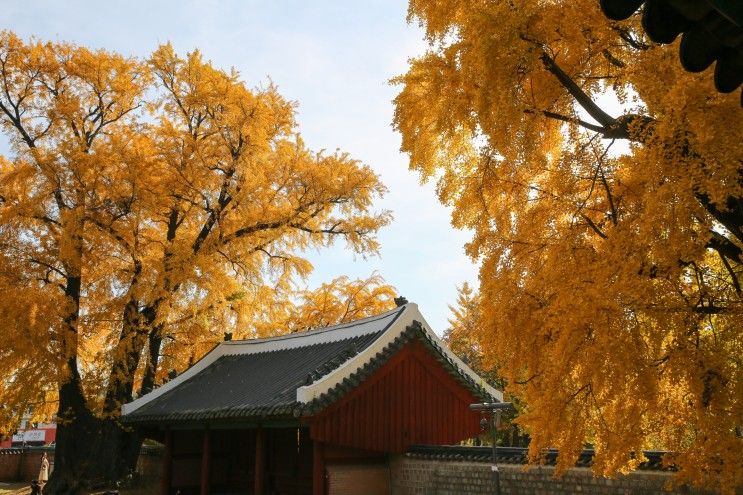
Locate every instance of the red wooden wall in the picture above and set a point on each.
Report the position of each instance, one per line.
(410, 400)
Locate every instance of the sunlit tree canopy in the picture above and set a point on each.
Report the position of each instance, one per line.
(148, 207)
(609, 235)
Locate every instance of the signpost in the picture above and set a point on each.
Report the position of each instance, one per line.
(495, 409)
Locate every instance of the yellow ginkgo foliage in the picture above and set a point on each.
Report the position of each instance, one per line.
(146, 208)
(609, 235)
(339, 301)
(461, 336)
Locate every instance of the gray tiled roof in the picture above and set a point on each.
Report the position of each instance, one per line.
(294, 375)
(250, 384)
(243, 383)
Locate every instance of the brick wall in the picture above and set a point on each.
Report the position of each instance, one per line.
(23, 464)
(149, 469)
(358, 479)
(405, 476)
(9, 465)
(430, 477)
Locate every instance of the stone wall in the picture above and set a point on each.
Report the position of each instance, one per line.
(404, 475)
(358, 479)
(9, 465)
(149, 470)
(23, 464)
(411, 476)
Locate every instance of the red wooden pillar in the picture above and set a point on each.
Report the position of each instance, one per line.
(260, 461)
(318, 468)
(206, 462)
(167, 476)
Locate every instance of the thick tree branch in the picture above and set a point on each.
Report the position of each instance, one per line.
(594, 226)
(731, 218)
(612, 59)
(609, 127)
(725, 247)
(709, 310)
(632, 127)
(223, 201)
(571, 120)
(627, 36)
(585, 101)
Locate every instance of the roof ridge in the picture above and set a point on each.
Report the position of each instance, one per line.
(311, 344)
(316, 331)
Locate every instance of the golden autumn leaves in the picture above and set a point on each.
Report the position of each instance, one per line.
(610, 295)
(147, 207)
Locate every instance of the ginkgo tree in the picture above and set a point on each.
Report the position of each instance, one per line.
(461, 336)
(146, 208)
(339, 301)
(609, 235)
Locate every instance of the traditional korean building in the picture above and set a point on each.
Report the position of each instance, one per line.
(275, 415)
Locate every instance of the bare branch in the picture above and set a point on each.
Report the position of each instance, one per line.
(50, 267)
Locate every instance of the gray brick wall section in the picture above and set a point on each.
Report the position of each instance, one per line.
(23, 464)
(430, 477)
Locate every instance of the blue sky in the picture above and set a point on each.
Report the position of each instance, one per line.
(335, 59)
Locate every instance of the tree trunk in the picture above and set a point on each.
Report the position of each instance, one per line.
(78, 430)
(78, 437)
(119, 448)
(90, 450)
(126, 360)
(117, 451)
(148, 381)
(128, 352)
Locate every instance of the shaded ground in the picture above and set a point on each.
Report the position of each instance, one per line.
(21, 488)
(14, 488)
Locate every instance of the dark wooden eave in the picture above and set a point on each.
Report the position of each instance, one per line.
(711, 33)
